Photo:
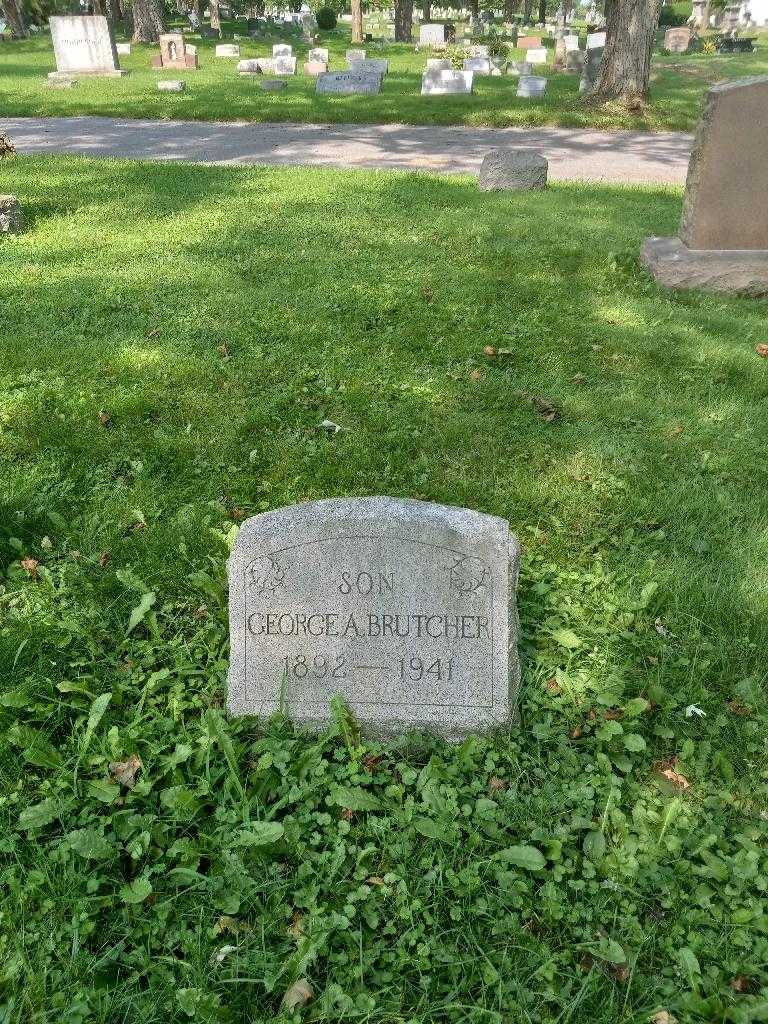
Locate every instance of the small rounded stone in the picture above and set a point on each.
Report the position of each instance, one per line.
(520, 170)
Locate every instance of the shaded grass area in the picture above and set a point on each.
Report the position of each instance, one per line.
(215, 91)
(171, 338)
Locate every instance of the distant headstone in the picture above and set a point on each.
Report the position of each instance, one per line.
(355, 55)
(346, 83)
(404, 609)
(571, 43)
(228, 50)
(315, 67)
(447, 83)
(590, 74)
(574, 61)
(519, 67)
(256, 66)
(438, 64)
(282, 50)
(723, 241)
(478, 65)
(11, 216)
(595, 40)
(83, 45)
(677, 40)
(536, 55)
(123, 49)
(520, 170)
(318, 53)
(376, 67)
(284, 65)
(171, 85)
(273, 84)
(431, 35)
(531, 86)
(309, 26)
(479, 50)
(528, 42)
(175, 53)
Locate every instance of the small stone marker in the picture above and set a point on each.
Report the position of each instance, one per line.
(519, 170)
(447, 83)
(519, 67)
(677, 40)
(318, 53)
(531, 86)
(228, 50)
(175, 53)
(528, 42)
(431, 35)
(255, 66)
(282, 50)
(11, 216)
(123, 49)
(83, 45)
(478, 65)
(571, 43)
(315, 67)
(595, 40)
(574, 61)
(273, 84)
(723, 241)
(403, 608)
(347, 83)
(478, 51)
(355, 55)
(536, 55)
(171, 85)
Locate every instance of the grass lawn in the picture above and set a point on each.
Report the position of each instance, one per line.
(215, 92)
(171, 338)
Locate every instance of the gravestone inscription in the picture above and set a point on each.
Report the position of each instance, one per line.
(347, 83)
(404, 608)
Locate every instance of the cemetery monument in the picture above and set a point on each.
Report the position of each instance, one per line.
(83, 45)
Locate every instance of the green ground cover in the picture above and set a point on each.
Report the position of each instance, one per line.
(171, 338)
(215, 92)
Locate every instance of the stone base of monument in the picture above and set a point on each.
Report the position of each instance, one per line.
(67, 76)
(674, 265)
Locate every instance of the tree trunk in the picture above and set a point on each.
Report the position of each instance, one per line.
(630, 33)
(12, 14)
(426, 10)
(215, 15)
(511, 8)
(403, 20)
(474, 10)
(542, 11)
(357, 21)
(147, 21)
(527, 11)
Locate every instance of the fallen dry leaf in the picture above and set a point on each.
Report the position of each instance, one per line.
(546, 408)
(200, 612)
(614, 714)
(299, 994)
(497, 785)
(238, 514)
(620, 972)
(662, 1017)
(104, 418)
(230, 924)
(553, 686)
(476, 375)
(578, 378)
(347, 814)
(675, 778)
(29, 565)
(223, 351)
(762, 350)
(742, 983)
(104, 557)
(426, 293)
(490, 351)
(375, 880)
(737, 708)
(294, 928)
(124, 772)
(676, 430)
(576, 732)
(371, 761)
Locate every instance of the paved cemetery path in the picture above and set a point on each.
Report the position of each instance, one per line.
(573, 153)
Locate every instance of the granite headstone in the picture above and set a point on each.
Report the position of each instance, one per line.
(83, 45)
(403, 608)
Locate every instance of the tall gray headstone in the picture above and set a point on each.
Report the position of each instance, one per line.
(404, 608)
(83, 45)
